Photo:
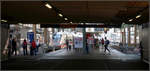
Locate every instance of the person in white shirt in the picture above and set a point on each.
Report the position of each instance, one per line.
(37, 45)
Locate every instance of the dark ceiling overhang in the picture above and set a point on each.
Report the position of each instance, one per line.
(80, 26)
(110, 12)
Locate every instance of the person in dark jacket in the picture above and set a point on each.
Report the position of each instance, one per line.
(106, 45)
(10, 46)
(14, 46)
(67, 44)
(24, 44)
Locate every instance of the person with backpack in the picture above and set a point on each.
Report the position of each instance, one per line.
(106, 45)
(24, 45)
(33, 47)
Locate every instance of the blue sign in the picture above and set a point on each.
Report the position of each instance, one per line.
(30, 36)
(99, 29)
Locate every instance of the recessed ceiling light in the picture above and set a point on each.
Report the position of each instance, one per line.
(123, 22)
(20, 23)
(131, 20)
(60, 15)
(4, 20)
(49, 6)
(138, 16)
(66, 19)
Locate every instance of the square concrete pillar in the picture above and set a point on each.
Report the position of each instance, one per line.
(124, 37)
(45, 35)
(129, 36)
(34, 31)
(135, 35)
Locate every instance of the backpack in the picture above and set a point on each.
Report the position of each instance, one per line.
(24, 44)
(107, 42)
(33, 45)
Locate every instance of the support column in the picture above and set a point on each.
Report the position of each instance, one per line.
(4, 32)
(34, 31)
(58, 29)
(45, 35)
(48, 36)
(135, 34)
(129, 40)
(72, 29)
(52, 30)
(55, 30)
(84, 40)
(62, 30)
(124, 37)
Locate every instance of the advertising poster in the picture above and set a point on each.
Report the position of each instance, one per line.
(30, 36)
(78, 42)
(90, 40)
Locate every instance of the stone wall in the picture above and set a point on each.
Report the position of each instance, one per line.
(145, 41)
(4, 37)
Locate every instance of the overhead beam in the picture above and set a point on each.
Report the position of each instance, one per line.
(77, 26)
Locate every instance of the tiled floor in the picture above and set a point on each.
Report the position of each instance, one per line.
(71, 60)
(94, 54)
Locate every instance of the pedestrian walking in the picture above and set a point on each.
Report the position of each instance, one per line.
(106, 45)
(24, 45)
(14, 46)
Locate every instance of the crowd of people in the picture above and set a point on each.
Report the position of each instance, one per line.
(33, 46)
(11, 47)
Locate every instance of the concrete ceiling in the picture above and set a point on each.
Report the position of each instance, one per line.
(114, 12)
